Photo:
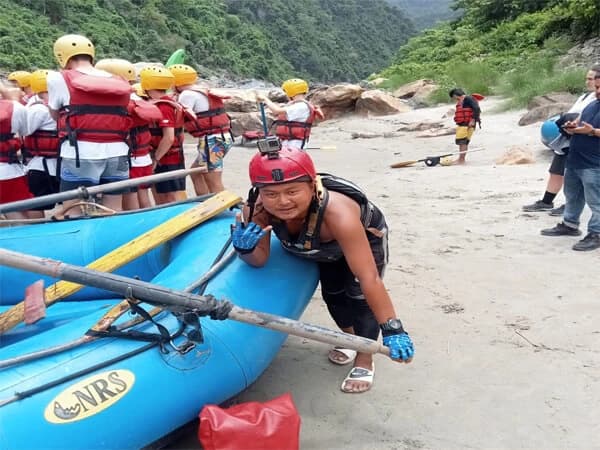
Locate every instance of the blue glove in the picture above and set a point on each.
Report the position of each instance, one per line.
(245, 238)
(401, 347)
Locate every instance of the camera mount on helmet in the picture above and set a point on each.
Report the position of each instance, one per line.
(270, 146)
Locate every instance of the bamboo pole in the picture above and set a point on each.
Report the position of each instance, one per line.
(159, 295)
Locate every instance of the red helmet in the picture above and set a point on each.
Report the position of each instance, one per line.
(291, 164)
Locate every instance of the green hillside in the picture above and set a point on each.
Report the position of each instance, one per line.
(322, 40)
(509, 47)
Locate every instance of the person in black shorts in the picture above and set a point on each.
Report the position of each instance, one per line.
(557, 166)
(329, 220)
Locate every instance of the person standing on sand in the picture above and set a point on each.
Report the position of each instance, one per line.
(466, 117)
(211, 125)
(41, 144)
(582, 176)
(90, 106)
(557, 166)
(329, 220)
(295, 119)
(167, 133)
(13, 125)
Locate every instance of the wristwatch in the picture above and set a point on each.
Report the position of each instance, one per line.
(392, 326)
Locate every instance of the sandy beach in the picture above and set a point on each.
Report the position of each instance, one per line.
(504, 320)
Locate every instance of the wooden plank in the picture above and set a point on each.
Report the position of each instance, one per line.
(130, 251)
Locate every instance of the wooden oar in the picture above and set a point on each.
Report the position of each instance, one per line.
(86, 193)
(155, 294)
(130, 251)
(430, 161)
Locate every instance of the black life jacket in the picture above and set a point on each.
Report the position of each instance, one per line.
(308, 243)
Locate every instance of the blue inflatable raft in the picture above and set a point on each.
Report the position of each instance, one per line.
(126, 393)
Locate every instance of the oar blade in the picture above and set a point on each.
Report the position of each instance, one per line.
(403, 164)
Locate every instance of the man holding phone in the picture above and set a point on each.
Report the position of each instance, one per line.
(557, 166)
(582, 176)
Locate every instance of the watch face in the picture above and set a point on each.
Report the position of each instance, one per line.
(394, 324)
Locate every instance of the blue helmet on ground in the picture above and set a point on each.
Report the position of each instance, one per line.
(550, 130)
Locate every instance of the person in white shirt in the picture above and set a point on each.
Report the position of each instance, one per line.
(90, 106)
(557, 166)
(295, 119)
(13, 180)
(41, 144)
(211, 125)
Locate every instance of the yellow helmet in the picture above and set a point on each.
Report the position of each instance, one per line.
(119, 67)
(294, 87)
(155, 77)
(183, 74)
(21, 77)
(38, 81)
(71, 45)
(137, 88)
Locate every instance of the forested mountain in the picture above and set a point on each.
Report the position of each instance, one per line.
(501, 46)
(322, 40)
(426, 13)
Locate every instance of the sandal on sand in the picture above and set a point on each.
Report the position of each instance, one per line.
(358, 374)
(348, 353)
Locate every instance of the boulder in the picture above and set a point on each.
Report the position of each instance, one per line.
(240, 100)
(516, 155)
(551, 98)
(379, 103)
(337, 100)
(246, 121)
(542, 113)
(277, 95)
(420, 89)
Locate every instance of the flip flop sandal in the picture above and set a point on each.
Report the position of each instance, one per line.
(358, 374)
(348, 353)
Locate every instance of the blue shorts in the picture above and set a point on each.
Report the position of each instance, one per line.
(212, 151)
(92, 172)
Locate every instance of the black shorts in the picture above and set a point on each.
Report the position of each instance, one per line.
(557, 166)
(336, 277)
(42, 183)
(178, 184)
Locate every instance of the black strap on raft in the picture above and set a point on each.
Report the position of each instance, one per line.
(75, 375)
(78, 110)
(161, 339)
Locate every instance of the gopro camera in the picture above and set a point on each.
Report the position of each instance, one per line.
(269, 146)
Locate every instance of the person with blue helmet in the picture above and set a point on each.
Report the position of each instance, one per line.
(553, 138)
(582, 176)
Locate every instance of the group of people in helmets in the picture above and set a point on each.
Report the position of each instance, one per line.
(91, 124)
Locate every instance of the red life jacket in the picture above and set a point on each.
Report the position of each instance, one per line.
(142, 113)
(97, 111)
(41, 142)
(462, 115)
(291, 130)
(213, 121)
(175, 154)
(9, 143)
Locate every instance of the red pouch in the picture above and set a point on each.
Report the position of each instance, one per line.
(272, 425)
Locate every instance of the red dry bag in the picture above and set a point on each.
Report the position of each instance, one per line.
(272, 425)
